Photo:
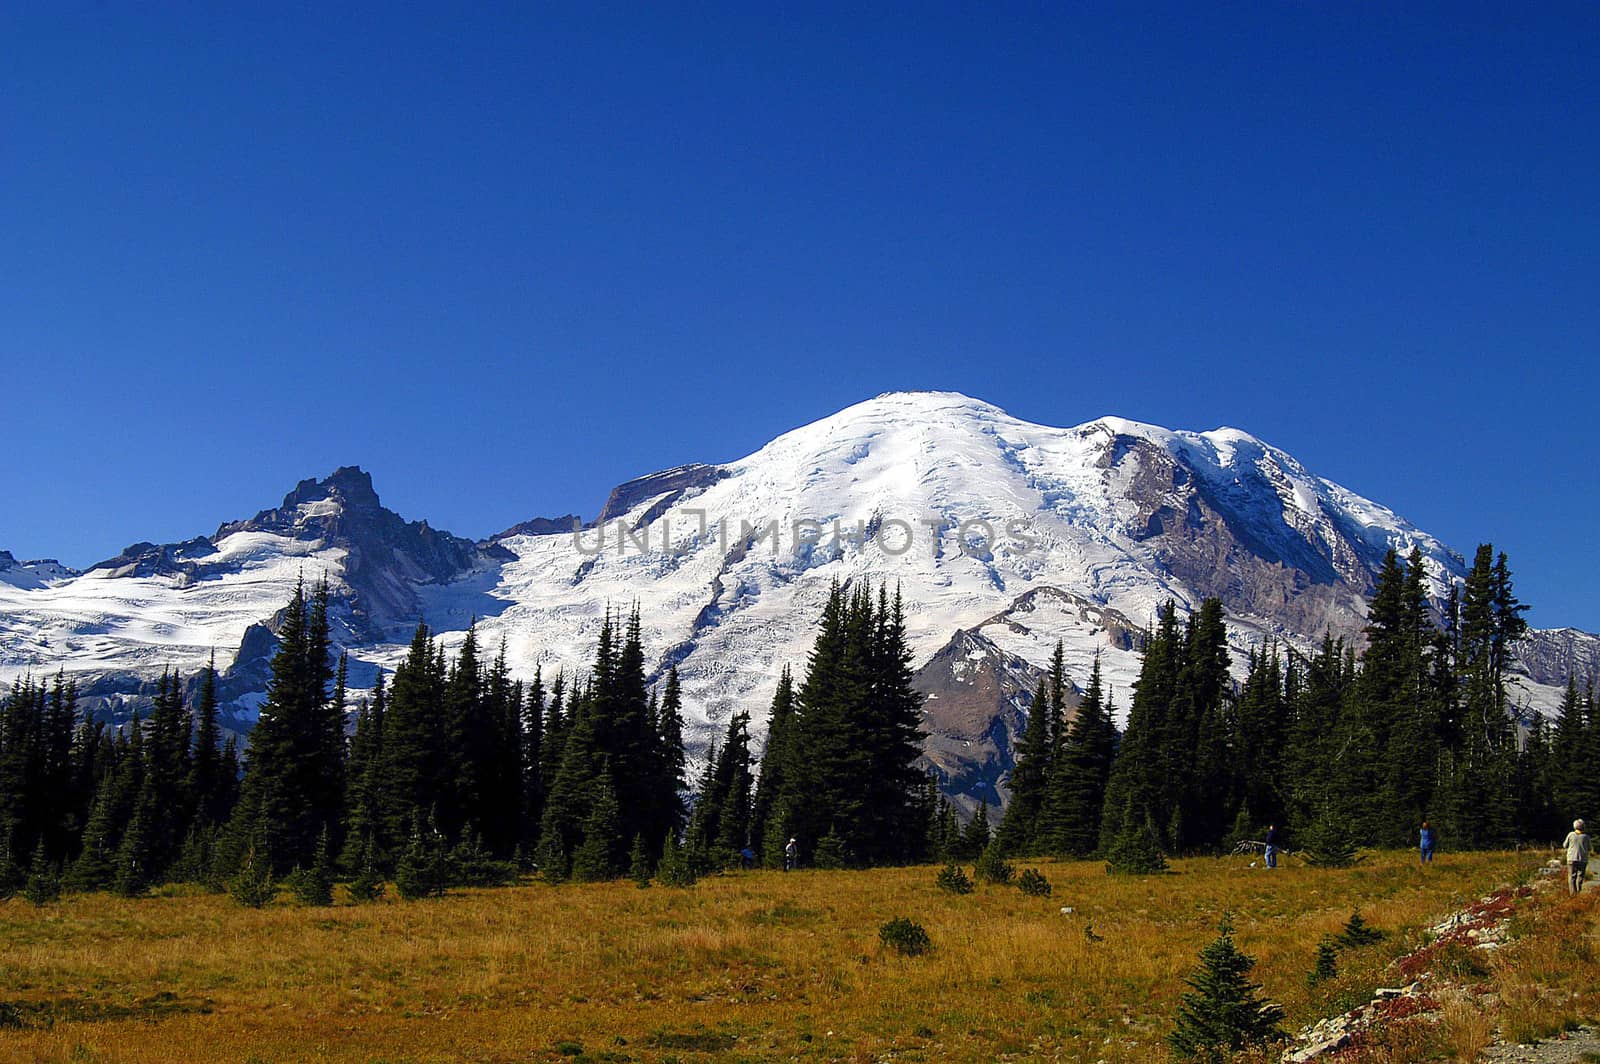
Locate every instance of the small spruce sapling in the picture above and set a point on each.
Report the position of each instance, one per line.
(905, 936)
(674, 869)
(1327, 964)
(831, 853)
(952, 880)
(44, 879)
(1135, 852)
(252, 886)
(1223, 1014)
(639, 864)
(1356, 933)
(992, 866)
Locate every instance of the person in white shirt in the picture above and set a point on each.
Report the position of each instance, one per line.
(1577, 844)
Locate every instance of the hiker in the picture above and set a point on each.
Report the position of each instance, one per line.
(747, 858)
(1426, 840)
(791, 855)
(1577, 844)
(1272, 846)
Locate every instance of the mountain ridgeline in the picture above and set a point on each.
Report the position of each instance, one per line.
(457, 773)
(1115, 519)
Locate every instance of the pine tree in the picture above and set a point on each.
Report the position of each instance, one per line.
(674, 869)
(313, 885)
(1019, 827)
(422, 871)
(670, 783)
(1143, 779)
(43, 885)
(412, 762)
(857, 720)
(1069, 820)
(1327, 963)
(366, 797)
(1136, 850)
(207, 787)
(294, 783)
(766, 827)
(1223, 1013)
(533, 784)
(597, 857)
(639, 866)
(1329, 842)
(253, 886)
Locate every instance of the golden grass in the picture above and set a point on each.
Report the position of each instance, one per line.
(758, 966)
(1547, 979)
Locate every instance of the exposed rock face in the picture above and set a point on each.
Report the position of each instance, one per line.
(1308, 572)
(675, 484)
(539, 526)
(165, 559)
(977, 700)
(1551, 655)
(386, 556)
(35, 573)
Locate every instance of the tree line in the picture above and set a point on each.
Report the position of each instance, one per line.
(1336, 750)
(456, 772)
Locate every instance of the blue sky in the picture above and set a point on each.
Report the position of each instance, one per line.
(505, 257)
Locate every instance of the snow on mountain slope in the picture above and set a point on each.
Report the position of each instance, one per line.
(1106, 513)
(1020, 534)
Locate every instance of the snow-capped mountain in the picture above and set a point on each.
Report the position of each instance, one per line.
(1004, 536)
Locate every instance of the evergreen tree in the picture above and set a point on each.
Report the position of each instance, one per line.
(43, 885)
(1142, 782)
(365, 833)
(766, 826)
(857, 720)
(1069, 822)
(533, 785)
(1223, 1014)
(735, 786)
(1019, 827)
(294, 785)
(411, 763)
(977, 836)
(207, 787)
(598, 856)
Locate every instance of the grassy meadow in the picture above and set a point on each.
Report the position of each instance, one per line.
(750, 966)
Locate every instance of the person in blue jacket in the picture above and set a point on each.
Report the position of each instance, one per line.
(1426, 840)
(1272, 846)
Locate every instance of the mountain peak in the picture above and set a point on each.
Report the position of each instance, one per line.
(351, 485)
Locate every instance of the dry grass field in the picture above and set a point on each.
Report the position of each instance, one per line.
(753, 966)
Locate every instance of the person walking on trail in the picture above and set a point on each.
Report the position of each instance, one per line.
(1577, 844)
(1272, 846)
(1426, 840)
(791, 855)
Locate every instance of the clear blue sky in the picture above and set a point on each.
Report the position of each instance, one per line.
(506, 257)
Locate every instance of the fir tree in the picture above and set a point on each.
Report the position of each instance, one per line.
(1019, 827)
(1069, 821)
(1223, 1013)
(295, 779)
(43, 885)
(765, 826)
(975, 839)
(1327, 963)
(253, 886)
(1136, 851)
(674, 869)
(597, 857)
(639, 866)
(313, 885)
(207, 787)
